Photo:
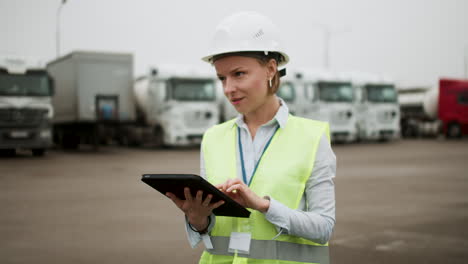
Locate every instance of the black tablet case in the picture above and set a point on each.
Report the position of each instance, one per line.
(175, 184)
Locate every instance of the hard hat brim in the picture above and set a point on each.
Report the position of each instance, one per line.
(283, 62)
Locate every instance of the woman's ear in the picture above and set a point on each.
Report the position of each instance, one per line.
(272, 67)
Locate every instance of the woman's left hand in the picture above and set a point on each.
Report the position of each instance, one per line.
(242, 194)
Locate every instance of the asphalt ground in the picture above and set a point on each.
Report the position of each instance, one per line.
(399, 202)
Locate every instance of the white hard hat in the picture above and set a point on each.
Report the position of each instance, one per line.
(247, 32)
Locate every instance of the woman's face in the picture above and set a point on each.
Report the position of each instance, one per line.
(244, 82)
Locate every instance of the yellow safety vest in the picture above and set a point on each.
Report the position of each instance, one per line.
(282, 174)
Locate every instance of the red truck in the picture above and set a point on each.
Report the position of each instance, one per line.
(453, 107)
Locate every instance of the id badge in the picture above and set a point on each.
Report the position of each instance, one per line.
(239, 242)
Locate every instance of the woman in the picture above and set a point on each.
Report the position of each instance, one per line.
(278, 165)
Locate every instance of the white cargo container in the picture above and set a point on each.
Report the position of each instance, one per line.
(178, 103)
(93, 96)
(377, 109)
(25, 105)
(330, 98)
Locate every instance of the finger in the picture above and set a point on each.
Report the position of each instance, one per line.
(229, 183)
(188, 195)
(233, 182)
(234, 188)
(207, 200)
(199, 196)
(237, 180)
(219, 186)
(225, 185)
(216, 205)
(174, 199)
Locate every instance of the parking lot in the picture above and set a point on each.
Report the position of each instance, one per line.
(399, 202)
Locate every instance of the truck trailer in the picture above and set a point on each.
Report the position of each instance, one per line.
(431, 111)
(418, 111)
(94, 100)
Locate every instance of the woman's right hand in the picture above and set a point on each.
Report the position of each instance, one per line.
(196, 209)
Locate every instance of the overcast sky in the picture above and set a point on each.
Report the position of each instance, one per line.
(413, 41)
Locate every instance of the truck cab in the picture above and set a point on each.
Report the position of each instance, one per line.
(453, 107)
(331, 98)
(377, 108)
(178, 103)
(291, 91)
(25, 107)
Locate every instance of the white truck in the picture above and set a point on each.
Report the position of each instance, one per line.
(226, 109)
(94, 99)
(291, 90)
(178, 103)
(330, 97)
(25, 106)
(377, 109)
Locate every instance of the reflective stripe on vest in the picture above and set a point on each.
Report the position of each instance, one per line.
(271, 249)
(282, 174)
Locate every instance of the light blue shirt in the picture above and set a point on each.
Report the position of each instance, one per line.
(314, 219)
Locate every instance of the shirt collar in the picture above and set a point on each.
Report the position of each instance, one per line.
(281, 116)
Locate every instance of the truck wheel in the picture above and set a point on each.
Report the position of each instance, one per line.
(159, 137)
(384, 139)
(38, 152)
(70, 141)
(454, 130)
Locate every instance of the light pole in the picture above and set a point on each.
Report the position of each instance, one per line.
(327, 35)
(57, 36)
(466, 61)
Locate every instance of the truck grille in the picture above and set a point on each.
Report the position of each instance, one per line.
(21, 117)
(341, 117)
(198, 119)
(387, 116)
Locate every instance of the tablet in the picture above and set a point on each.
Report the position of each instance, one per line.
(175, 183)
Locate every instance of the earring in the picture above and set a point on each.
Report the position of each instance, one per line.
(269, 81)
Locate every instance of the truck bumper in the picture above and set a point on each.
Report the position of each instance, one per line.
(184, 140)
(383, 133)
(27, 138)
(343, 136)
(343, 133)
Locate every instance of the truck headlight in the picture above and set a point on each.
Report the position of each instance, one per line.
(47, 113)
(45, 134)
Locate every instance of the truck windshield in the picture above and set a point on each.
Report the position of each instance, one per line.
(287, 92)
(24, 84)
(381, 93)
(193, 90)
(335, 92)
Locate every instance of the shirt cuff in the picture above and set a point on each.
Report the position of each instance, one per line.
(276, 215)
(194, 237)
